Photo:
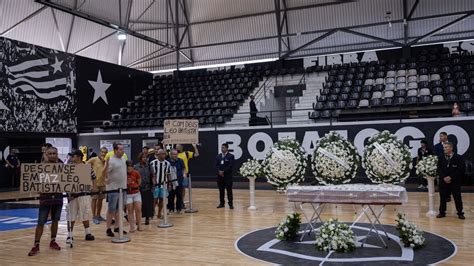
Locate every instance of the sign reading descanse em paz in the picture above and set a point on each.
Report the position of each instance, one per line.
(181, 131)
(55, 178)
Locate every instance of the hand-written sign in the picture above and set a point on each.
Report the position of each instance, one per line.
(181, 132)
(55, 178)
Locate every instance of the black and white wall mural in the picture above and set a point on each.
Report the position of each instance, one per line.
(37, 89)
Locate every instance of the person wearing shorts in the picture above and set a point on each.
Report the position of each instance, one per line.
(48, 203)
(116, 178)
(79, 207)
(134, 198)
(160, 169)
(98, 165)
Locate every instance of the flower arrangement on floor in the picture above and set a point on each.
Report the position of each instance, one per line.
(335, 160)
(288, 227)
(251, 168)
(386, 159)
(410, 234)
(285, 164)
(428, 166)
(333, 235)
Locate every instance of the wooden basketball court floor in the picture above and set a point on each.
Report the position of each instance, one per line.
(208, 236)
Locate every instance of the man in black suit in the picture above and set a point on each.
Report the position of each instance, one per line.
(450, 172)
(224, 164)
(253, 107)
(423, 152)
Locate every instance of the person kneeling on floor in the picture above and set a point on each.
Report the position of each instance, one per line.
(79, 207)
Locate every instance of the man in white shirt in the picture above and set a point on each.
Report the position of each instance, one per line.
(115, 177)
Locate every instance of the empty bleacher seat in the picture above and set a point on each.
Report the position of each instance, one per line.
(364, 103)
(388, 94)
(435, 77)
(424, 91)
(390, 87)
(376, 95)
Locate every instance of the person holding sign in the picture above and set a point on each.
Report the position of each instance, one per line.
(48, 203)
(79, 204)
(116, 178)
(186, 156)
(224, 164)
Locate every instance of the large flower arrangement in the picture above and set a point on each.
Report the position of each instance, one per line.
(410, 234)
(386, 159)
(288, 227)
(285, 164)
(333, 235)
(251, 168)
(428, 166)
(335, 160)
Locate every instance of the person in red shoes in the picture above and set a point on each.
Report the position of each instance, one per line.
(48, 203)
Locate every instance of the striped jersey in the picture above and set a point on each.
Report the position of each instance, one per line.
(160, 169)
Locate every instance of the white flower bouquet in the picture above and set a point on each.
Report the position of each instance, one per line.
(285, 164)
(251, 168)
(333, 235)
(288, 227)
(428, 166)
(410, 234)
(335, 160)
(386, 159)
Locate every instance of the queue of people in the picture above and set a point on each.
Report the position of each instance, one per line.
(143, 187)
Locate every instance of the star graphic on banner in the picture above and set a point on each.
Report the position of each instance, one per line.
(57, 65)
(99, 88)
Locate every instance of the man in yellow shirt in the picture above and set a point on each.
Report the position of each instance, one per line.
(98, 165)
(111, 153)
(186, 156)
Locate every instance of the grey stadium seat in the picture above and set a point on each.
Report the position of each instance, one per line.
(401, 86)
(435, 77)
(424, 91)
(390, 87)
(412, 93)
(391, 74)
(412, 78)
(364, 103)
(412, 85)
(401, 73)
(438, 98)
(377, 95)
(388, 94)
(423, 78)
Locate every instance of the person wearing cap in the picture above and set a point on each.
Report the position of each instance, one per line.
(423, 152)
(79, 207)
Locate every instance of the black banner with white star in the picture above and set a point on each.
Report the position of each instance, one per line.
(104, 88)
(37, 89)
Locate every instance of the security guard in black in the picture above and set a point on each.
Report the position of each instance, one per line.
(451, 172)
(224, 164)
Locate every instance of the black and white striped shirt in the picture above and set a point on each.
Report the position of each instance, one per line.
(160, 169)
